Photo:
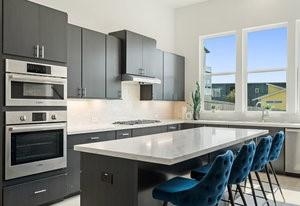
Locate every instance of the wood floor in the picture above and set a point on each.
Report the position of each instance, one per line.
(290, 185)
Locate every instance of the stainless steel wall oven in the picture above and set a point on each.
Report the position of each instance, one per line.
(32, 84)
(35, 142)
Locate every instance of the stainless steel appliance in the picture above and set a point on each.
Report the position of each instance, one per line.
(35, 142)
(32, 84)
(139, 121)
(292, 151)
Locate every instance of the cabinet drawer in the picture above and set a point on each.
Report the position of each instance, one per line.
(173, 127)
(148, 131)
(36, 192)
(89, 138)
(122, 134)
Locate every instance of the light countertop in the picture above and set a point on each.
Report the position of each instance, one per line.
(111, 127)
(172, 147)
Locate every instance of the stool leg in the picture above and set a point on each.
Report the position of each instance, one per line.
(242, 194)
(278, 184)
(270, 183)
(230, 194)
(253, 190)
(165, 204)
(262, 187)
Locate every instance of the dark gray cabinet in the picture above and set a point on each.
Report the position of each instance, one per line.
(34, 193)
(74, 61)
(149, 130)
(155, 91)
(34, 31)
(113, 67)
(73, 157)
(137, 51)
(174, 77)
(93, 64)
(53, 34)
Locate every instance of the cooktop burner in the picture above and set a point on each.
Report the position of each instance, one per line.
(139, 121)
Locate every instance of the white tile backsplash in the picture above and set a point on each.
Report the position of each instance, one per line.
(89, 112)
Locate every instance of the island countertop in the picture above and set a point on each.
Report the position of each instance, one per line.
(172, 147)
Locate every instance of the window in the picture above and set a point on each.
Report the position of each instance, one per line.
(266, 67)
(219, 62)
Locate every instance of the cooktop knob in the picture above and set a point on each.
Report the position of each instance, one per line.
(23, 118)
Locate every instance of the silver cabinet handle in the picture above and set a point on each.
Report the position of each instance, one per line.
(95, 138)
(125, 134)
(84, 92)
(37, 51)
(42, 52)
(172, 127)
(40, 191)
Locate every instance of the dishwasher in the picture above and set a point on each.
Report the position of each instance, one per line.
(292, 151)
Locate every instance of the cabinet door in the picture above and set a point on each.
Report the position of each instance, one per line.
(169, 76)
(134, 53)
(53, 34)
(157, 71)
(74, 61)
(149, 48)
(20, 28)
(113, 67)
(179, 78)
(73, 172)
(93, 64)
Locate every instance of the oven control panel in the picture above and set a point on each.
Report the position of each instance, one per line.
(29, 117)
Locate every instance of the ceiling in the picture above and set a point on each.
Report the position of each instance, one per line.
(179, 3)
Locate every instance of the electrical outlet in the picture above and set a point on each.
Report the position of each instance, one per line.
(107, 177)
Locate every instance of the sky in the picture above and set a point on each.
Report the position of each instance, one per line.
(266, 49)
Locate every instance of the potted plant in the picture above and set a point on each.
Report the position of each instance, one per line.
(196, 102)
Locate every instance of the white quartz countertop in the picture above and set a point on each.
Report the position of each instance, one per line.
(111, 127)
(172, 147)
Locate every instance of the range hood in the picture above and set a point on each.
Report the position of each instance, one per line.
(140, 79)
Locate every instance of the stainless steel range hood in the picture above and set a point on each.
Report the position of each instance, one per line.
(140, 79)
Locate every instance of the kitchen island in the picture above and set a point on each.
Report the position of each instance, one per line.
(124, 172)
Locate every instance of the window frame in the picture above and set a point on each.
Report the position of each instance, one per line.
(202, 71)
(245, 71)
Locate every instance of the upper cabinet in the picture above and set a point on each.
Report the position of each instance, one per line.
(174, 77)
(93, 64)
(137, 51)
(155, 91)
(113, 67)
(34, 31)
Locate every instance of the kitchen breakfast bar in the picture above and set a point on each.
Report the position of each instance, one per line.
(124, 172)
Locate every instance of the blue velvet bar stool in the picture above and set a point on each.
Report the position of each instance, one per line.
(275, 151)
(261, 159)
(239, 172)
(188, 192)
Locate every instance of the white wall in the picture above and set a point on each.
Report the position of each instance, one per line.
(216, 16)
(146, 17)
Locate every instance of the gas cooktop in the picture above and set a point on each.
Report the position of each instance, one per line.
(139, 121)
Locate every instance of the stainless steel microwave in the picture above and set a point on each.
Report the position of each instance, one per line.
(33, 84)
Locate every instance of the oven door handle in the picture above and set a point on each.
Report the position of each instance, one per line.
(36, 79)
(29, 128)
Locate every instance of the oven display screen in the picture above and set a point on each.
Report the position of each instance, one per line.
(38, 117)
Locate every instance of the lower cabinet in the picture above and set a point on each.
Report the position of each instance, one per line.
(34, 193)
(149, 130)
(73, 157)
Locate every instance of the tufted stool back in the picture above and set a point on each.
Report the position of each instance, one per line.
(211, 188)
(277, 145)
(261, 156)
(242, 164)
